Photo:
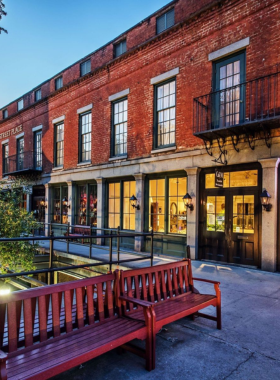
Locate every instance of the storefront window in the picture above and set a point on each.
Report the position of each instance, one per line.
(216, 214)
(157, 205)
(114, 205)
(244, 178)
(82, 212)
(56, 205)
(64, 195)
(93, 205)
(129, 188)
(243, 214)
(177, 217)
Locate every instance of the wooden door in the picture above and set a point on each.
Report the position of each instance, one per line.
(243, 227)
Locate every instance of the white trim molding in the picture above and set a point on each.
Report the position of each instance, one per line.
(39, 128)
(162, 150)
(118, 95)
(20, 135)
(236, 46)
(58, 119)
(164, 76)
(5, 142)
(85, 108)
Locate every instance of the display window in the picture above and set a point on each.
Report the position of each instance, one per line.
(167, 212)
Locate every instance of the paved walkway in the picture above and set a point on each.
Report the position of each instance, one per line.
(102, 253)
(247, 348)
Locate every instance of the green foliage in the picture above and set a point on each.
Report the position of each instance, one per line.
(15, 221)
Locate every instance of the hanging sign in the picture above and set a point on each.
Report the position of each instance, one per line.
(219, 178)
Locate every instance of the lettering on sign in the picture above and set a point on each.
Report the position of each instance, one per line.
(11, 132)
(219, 178)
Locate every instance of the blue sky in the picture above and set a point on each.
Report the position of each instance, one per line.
(45, 36)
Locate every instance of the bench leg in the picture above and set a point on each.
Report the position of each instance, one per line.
(151, 342)
(218, 308)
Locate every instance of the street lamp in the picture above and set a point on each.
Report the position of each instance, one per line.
(265, 196)
(133, 201)
(188, 201)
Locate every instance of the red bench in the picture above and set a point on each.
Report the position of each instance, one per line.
(49, 330)
(169, 287)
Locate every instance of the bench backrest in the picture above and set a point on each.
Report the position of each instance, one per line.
(157, 283)
(39, 314)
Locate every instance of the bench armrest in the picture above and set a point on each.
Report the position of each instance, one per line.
(203, 280)
(137, 301)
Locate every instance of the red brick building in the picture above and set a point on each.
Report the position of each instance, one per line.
(187, 97)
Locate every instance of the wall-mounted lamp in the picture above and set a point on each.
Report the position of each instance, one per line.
(65, 202)
(133, 201)
(188, 201)
(43, 204)
(265, 196)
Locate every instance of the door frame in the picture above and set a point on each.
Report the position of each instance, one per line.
(221, 191)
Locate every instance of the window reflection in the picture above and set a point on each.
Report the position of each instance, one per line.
(114, 205)
(243, 214)
(128, 210)
(215, 214)
(244, 178)
(156, 204)
(177, 211)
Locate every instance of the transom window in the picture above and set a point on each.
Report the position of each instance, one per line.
(120, 127)
(165, 21)
(165, 113)
(59, 144)
(244, 178)
(85, 137)
(85, 67)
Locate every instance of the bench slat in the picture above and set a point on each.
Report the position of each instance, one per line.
(43, 309)
(80, 308)
(28, 322)
(90, 306)
(12, 323)
(56, 314)
(68, 310)
(100, 303)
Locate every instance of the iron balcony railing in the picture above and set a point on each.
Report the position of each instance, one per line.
(23, 162)
(250, 103)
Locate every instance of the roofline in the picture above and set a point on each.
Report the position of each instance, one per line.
(90, 54)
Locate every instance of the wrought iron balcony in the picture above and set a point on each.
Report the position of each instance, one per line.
(241, 109)
(22, 163)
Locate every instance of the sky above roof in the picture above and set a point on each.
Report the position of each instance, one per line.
(46, 36)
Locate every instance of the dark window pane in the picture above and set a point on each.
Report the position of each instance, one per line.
(58, 83)
(165, 21)
(38, 95)
(120, 48)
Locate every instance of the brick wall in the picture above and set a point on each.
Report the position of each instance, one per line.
(186, 46)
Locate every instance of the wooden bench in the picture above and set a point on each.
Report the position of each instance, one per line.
(79, 231)
(169, 287)
(46, 331)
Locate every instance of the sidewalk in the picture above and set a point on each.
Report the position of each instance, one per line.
(247, 347)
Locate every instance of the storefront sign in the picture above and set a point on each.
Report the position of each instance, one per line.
(11, 132)
(219, 179)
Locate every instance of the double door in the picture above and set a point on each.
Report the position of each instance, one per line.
(229, 226)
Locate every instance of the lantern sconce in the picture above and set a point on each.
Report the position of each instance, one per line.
(43, 204)
(65, 202)
(188, 201)
(265, 196)
(133, 201)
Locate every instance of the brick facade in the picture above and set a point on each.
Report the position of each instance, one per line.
(201, 27)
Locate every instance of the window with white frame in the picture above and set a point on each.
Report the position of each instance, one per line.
(85, 67)
(165, 112)
(85, 137)
(165, 21)
(119, 127)
(20, 104)
(38, 95)
(59, 144)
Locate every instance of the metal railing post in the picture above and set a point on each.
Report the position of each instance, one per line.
(111, 250)
(118, 244)
(152, 247)
(50, 274)
(90, 242)
(67, 241)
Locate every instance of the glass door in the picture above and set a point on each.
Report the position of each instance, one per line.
(243, 227)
